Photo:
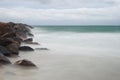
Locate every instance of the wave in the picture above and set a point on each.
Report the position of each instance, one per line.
(80, 28)
(72, 42)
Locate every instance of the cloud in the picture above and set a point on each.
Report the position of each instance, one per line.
(29, 15)
(61, 11)
(59, 3)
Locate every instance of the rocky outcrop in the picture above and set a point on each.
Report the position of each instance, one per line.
(25, 62)
(26, 48)
(11, 36)
(13, 48)
(3, 59)
(4, 51)
(28, 40)
(34, 43)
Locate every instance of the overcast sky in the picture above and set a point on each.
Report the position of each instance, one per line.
(61, 12)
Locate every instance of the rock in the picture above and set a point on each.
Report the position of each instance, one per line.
(28, 40)
(41, 49)
(6, 30)
(21, 35)
(7, 41)
(11, 36)
(17, 39)
(22, 27)
(4, 51)
(22, 30)
(14, 48)
(11, 24)
(4, 60)
(26, 48)
(28, 26)
(30, 34)
(25, 62)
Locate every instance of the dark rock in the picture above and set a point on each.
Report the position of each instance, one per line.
(30, 34)
(22, 27)
(4, 60)
(11, 24)
(17, 39)
(25, 62)
(9, 40)
(28, 40)
(6, 30)
(4, 51)
(26, 48)
(13, 48)
(21, 35)
(41, 49)
(5, 41)
(11, 36)
(22, 30)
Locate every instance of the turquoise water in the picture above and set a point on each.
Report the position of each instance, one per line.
(81, 28)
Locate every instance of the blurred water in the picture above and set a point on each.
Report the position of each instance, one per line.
(72, 56)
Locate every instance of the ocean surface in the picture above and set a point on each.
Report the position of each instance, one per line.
(75, 53)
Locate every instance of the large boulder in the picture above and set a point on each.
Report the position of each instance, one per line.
(21, 27)
(22, 30)
(6, 30)
(14, 48)
(21, 35)
(9, 40)
(17, 39)
(16, 29)
(28, 40)
(26, 48)
(5, 41)
(4, 60)
(4, 51)
(25, 62)
(30, 34)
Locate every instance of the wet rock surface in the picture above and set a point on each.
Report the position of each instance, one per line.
(4, 51)
(26, 48)
(34, 43)
(28, 40)
(4, 60)
(13, 48)
(25, 62)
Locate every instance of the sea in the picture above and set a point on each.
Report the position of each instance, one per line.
(90, 52)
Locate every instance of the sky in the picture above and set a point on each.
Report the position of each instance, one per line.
(61, 12)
